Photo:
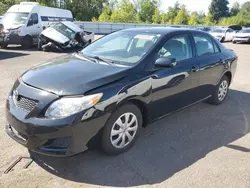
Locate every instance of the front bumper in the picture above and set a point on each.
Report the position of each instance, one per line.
(236, 39)
(55, 137)
(10, 38)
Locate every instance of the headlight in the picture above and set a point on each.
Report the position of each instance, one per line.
(70, 105)
(17, 32)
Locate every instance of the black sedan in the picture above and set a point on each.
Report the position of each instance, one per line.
(115, 86)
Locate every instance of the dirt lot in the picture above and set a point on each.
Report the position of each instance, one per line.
(203, 146)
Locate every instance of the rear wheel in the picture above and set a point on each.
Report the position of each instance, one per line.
(221, 91)
(27, 42)
(121, 130)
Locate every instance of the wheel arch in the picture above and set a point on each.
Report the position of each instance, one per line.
(229, 75)
(144, 111)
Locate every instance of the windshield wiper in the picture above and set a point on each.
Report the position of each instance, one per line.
(101, 59)
(86, 57)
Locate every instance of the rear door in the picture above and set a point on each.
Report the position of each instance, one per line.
(211, 62)
(175, 87)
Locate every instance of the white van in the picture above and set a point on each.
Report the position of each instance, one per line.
(24, 22)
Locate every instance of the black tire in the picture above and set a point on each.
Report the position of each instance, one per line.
(27, 42)
(222, 40)
(107, 145)
(4, 46)
(215, 95)
(89, 42)
(234, 42)
(40, 44)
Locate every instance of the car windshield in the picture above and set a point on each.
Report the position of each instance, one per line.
(245, 31)
(60, 27)
(123, 47)
(15, 18)
(218, 31)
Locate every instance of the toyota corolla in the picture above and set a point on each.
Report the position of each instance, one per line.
(107, 92)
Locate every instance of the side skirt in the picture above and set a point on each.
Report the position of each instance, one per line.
(181, 109)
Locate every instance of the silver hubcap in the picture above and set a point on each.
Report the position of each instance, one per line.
(223, 90)
(124, 130)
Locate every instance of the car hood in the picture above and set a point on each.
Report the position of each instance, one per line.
(55, 35)
(70, 75)
(11, 26)
(242, 35)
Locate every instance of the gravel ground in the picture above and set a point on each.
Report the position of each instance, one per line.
(203, 146)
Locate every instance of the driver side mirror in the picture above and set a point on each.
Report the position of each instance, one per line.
(165, 62)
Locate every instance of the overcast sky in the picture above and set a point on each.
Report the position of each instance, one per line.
(195, 5)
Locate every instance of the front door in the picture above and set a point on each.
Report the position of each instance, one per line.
(175, 87)
(34, 26)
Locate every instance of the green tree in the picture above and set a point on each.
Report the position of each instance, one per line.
(235, 9)
(172, 12)
(201, 16)
(163, 18)
(245, 11)
(146, 10)
(157, 16)
(125, 12)
(193, 20)
(219, 9)
(182, 17)
(209, 20)
(106, 14)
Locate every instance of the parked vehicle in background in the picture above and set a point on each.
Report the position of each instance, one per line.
(243, 36)
(24, 22)
(114, 86)
(1, 17)
(223, 34)
(64, 36)
(205, 29)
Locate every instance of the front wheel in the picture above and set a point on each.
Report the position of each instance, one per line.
(121, 130)
(221, 91)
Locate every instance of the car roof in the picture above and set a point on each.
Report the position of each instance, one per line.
(161, 30)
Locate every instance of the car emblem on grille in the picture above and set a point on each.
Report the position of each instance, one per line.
(15, 95)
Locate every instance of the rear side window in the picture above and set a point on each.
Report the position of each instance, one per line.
(204, 45)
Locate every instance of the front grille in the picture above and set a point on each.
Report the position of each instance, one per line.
(25, 104)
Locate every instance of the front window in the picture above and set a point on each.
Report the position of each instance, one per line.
(124, 47)
(15, 18)
(60, 27)
(178, 47)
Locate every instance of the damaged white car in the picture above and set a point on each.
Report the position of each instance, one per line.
(63, 36)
